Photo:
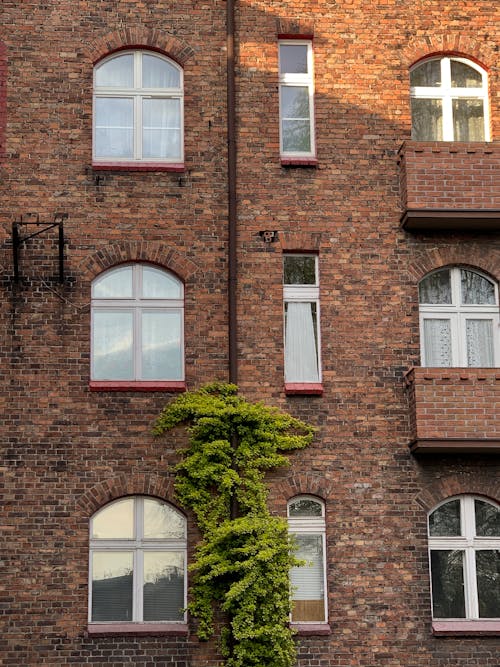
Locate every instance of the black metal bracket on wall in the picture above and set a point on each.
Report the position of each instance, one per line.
(18, 240)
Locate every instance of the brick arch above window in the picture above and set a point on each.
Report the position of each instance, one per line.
(125, 485)
(140, 37)
(473, 483)
(483, 52)
(303, 241)
(154, 252)
(476, 256)
(301, 484)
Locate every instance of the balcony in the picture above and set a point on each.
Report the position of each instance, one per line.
(454, 410)
(450, 186)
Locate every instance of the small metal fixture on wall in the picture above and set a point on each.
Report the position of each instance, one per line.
(18, 240)
(268, 236)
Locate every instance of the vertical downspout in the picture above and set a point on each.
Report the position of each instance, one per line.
(231, 185)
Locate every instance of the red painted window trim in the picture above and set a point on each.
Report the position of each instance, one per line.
(137, 629)
(311, 629)
(470, 628)
(138, 166)
(298, 35)
(298, 162)
(308, 388)
(137, 385)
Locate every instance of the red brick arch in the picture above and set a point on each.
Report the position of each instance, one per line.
(139, 37)
(458, 484)
(298, 485)
(479, 256)
(450, 43)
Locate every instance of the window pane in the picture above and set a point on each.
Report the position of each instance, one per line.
(158, 73)
(112, 584)
(426, 74)
(116, 73)
(161, 345)
(437, 343)
(299, 270)
(464, 76)
(293, 58)
(162, 521)
(488, 583)
(305, 507)
(487, 519)
(295, 102)
(426, 119)
(445, 520)
(448, 600)
(115, 521)
(157, 284)
(479, 337)
(301, 353)
(468, 120)
(114, 129)
(296, 136)
(114, 285)
(476, 289)
(163, 586)
(112, 354)
(436, 288)
(161, 135)
(307, 580)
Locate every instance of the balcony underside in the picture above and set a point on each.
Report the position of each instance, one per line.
(455, 446)
(426, 220)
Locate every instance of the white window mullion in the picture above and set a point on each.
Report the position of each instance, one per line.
(138, 584)
(471, 598)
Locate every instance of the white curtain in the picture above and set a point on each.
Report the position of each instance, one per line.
(301, 355)
(437, 342)
(479, 334)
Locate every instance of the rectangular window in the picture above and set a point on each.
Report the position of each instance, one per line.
(301, 302)
(296, 90)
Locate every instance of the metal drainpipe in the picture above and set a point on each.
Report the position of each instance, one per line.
(231, 185)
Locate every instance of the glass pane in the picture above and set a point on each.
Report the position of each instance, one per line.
(307, 581)
(114, 127)
(163, 586)
(445, 520)
(437, 343)
(436, 288)
(301, 342)
(487, 519)
(305, 507)
(112, 585)
(157, 284)
(426, 119)
(112, 353)
(161, 345)
(295, 102)
(293, 58)
(476, 289)
(115, 521)
(158, 73)
(488, 582)
(162, 521)
(161, 133)
(117, 284)
(464, 76)
(296, 136)
(116, 73)
(299, 270)
(479, 337)
(426, 74)
(448, 599)
(468, 120)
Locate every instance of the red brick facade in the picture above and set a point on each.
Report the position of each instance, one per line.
(68, 450)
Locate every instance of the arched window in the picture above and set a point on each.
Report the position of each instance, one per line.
(459, 324)
(449, 100)
(306, 520)
(464, 548)
(138, 109)
(137, 324)
(137, 562)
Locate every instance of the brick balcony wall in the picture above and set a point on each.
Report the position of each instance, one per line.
(449, 175)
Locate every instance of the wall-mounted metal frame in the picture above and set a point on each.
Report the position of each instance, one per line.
(18, 239)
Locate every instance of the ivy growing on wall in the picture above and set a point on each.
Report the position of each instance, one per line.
(243, 561)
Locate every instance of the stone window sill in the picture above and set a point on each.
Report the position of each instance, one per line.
(465, 628)
(299, 162)
(138, 166)
(129, 385)
(305, 388)
(311, 629)
(113, 629)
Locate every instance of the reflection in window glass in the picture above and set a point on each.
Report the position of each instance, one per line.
(445, 520)
(487, 519)
(112, 585)
(448, 599)
(305, 507)
(488, 582)
(163, 586)
(162, 521)
(115, 521)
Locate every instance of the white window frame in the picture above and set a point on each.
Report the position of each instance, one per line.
(470, 544)
(458, 314)
(137, 94)
(447, 94)
(290, 79)
(138, 546)
(138, 306)
(303, 294)
(307, 526)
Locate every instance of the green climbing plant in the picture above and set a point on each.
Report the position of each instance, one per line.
(243, 561)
